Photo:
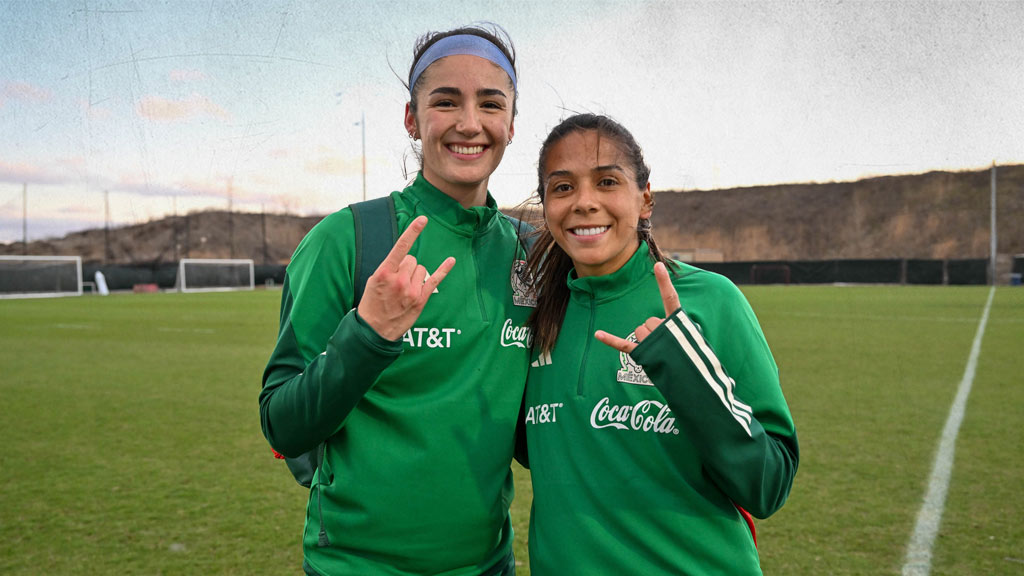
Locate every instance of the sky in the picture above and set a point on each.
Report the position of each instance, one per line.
(127, 111)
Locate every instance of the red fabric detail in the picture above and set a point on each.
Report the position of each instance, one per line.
(750, 522)
(277, 454)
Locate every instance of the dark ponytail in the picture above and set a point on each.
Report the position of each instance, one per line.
(548, 263)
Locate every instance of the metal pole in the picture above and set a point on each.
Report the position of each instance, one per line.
(993, 248)
(107, 256)
(362, 123)
(24, 218)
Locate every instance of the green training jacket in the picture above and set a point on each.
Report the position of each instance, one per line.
(638, 460)
(419, 433)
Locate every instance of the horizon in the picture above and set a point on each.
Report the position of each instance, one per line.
(261, 106)
(214, 209)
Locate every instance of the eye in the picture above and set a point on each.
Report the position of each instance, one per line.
(443, 104)
(607, 182)
(559, 188)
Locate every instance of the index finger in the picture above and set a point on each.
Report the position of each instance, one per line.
(669, 297)
(404, 243)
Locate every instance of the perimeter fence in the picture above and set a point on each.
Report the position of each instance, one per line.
(892, 271)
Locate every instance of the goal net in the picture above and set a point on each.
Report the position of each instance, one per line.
(40, 276)
(214, 274)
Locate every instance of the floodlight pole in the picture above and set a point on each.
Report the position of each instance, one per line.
(107, 255)
(24, 218)
(993, 247)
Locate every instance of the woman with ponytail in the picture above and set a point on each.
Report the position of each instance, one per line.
(646, 450)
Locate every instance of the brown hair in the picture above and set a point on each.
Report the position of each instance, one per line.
(491, 32)
(548, 263)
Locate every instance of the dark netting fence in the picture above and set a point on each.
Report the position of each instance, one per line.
(893, 271)
(165, 275)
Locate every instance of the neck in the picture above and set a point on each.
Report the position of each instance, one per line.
(467, 195)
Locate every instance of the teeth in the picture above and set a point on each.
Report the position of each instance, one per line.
(467, 149)
(589, 231)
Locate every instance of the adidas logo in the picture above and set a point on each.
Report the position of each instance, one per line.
(543, 360)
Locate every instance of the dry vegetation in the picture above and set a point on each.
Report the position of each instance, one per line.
(933, 215)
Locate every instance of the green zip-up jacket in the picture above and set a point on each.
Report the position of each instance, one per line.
(639, 460)
(419, 433)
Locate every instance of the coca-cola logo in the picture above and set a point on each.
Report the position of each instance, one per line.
(644, 416)
(513, 335)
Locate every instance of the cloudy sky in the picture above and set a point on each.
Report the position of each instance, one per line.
(169, 107)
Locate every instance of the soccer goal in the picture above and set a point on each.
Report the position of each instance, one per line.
(215, 275)
(40, 276)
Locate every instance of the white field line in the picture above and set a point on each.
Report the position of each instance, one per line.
(918, 561)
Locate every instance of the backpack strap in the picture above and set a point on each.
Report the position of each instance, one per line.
(376, 230)
(524, 231)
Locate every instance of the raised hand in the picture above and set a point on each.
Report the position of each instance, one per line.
(669, 298)
(398, 290)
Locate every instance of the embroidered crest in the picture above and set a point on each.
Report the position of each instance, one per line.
(523, 291)
(631, 372)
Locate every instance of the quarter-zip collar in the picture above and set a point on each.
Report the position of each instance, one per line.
(611, 286)
(446, 211)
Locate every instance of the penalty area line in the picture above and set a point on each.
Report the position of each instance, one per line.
(918, 561)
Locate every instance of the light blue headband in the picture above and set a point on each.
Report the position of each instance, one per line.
(468, 44)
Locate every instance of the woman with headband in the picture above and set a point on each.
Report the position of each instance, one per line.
(415, 391)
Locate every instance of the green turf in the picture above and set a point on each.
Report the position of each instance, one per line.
(132, 440)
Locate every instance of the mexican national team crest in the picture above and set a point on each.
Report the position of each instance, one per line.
(523, 292)
(631, 372)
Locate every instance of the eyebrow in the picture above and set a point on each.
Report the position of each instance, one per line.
(608, 168)
(456, 92)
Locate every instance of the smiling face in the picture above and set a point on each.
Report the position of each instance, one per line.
(464, 119)
(592, 202)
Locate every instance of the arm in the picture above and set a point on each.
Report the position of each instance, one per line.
(731, 405)
(316, 377)
(326, 358)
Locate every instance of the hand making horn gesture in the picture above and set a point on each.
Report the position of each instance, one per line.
(399, 289)
(669, 298)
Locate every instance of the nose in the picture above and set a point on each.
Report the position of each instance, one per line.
(469, 121)
(586, 198)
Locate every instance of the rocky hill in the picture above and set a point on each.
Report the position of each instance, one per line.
(937, 215)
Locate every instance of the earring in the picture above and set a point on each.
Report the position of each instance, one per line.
(509, 142)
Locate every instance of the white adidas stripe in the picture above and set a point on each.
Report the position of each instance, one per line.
(716, 387)
(724, 378)
(543, 360)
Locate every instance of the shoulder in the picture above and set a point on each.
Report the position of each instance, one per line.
(332, 226)
(693, 279)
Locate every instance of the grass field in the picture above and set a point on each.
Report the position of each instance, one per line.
(132, 442)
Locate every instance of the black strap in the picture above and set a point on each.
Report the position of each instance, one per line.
(524, 230)
(376, 228)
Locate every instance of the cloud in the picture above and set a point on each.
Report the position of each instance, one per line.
(334, 165)
(186, 75)
(25, 91)
(158, 108)
(20, 172)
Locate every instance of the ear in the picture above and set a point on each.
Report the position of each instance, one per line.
(410, 120)
(647, 205)
(511, 129)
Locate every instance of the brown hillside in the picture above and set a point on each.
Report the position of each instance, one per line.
(933, 215)
(942, 215)
(268, 239)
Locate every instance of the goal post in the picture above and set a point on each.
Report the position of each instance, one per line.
(40, 276)
(215, 274)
